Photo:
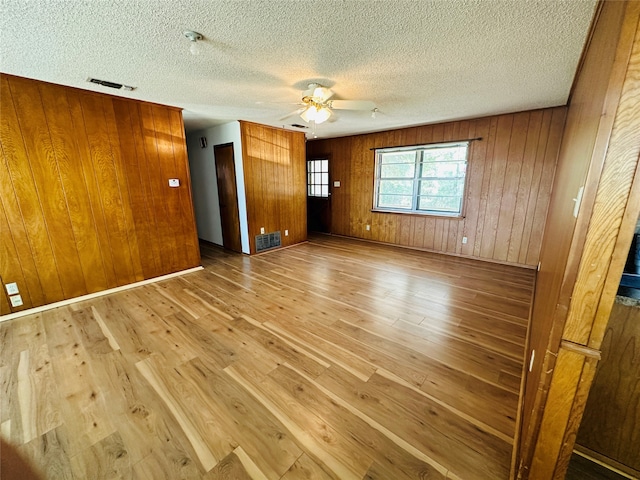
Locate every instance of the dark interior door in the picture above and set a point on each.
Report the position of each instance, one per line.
(228, 197)
(318, 195)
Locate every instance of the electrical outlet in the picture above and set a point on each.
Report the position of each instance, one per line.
(286, 233)
(368, 227)
(16, 300)
(174, 182)
(12, 288)
(261, 230)
(464, 240)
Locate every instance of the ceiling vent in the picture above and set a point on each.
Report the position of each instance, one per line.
(106, 83)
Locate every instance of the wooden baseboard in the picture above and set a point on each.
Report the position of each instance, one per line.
(606, 462)
(61, 303)
(419, 249)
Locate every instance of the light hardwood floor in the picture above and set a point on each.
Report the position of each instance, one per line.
(332, 359)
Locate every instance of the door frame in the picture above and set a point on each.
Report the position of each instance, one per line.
(329, 206)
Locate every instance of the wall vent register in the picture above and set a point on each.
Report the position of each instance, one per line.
(267, 241)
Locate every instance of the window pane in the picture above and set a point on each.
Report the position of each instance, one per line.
(444, 204)
(446, 154)
(452, 187)
(439, 171)
(395, 201)
(310, 166)
(325, 190)
(442, 169)
(398, 170)
(398, 157)
(317, 178)
(325, 179)
(324, 165)
(397, 187)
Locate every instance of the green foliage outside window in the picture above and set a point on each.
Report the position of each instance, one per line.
(428, 179)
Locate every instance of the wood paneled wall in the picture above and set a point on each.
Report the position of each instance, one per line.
(85, 202)
(275, 182)
(590, 116)
(610, 422)
(510, 173)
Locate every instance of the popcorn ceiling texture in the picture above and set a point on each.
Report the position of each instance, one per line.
(419, 61)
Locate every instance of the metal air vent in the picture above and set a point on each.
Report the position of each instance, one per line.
(106, 83)
(267, 241)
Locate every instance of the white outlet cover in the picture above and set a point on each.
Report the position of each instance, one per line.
(368, 227)
(16, 300)
(286, 233)
(12, 288)
(336, 183)
(261, 230)
(174, 182)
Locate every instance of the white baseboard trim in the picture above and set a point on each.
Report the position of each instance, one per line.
(89, 296)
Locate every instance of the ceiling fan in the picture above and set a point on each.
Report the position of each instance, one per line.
(317, 106)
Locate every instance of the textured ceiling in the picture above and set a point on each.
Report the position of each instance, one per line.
(419, 61)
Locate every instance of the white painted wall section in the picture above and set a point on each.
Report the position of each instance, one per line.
(204, 182)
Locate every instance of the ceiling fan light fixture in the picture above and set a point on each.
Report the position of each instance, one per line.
(323, 115)
(322, 93)
(309, 114)
(316, 114)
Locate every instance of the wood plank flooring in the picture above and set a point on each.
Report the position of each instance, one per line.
(332, 359)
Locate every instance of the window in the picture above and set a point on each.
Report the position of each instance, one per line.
(318, 178)
(427, 179)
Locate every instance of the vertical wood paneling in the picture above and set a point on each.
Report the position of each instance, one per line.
(48, 186)
(84, 184)
(8, 253)
(275, 182)
(496, 185)
(507, 193)
(145, 205)
(519, 134)
(595, 99)
(181, 165)
(92, 190)
(165, 229)
(67, 152)
(140, 208)
(107, 196)
(125, 214)
(610, 422)
(16, 180)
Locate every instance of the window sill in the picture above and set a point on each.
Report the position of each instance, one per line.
(419, 214)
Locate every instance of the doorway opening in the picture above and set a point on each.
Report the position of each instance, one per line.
(318, 195)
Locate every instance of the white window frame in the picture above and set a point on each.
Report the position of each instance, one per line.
(318, 178)
(417, 178)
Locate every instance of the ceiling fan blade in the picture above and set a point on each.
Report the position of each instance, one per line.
(291, 114)
(352, 104)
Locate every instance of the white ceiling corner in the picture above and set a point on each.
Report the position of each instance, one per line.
(420, 61)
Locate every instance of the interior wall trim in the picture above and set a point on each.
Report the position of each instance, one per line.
(581, 349)
(62, 303)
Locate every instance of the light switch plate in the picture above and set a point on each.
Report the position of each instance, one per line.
(12, 288)
(16, 300)
(174, 182)
(336, 183)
